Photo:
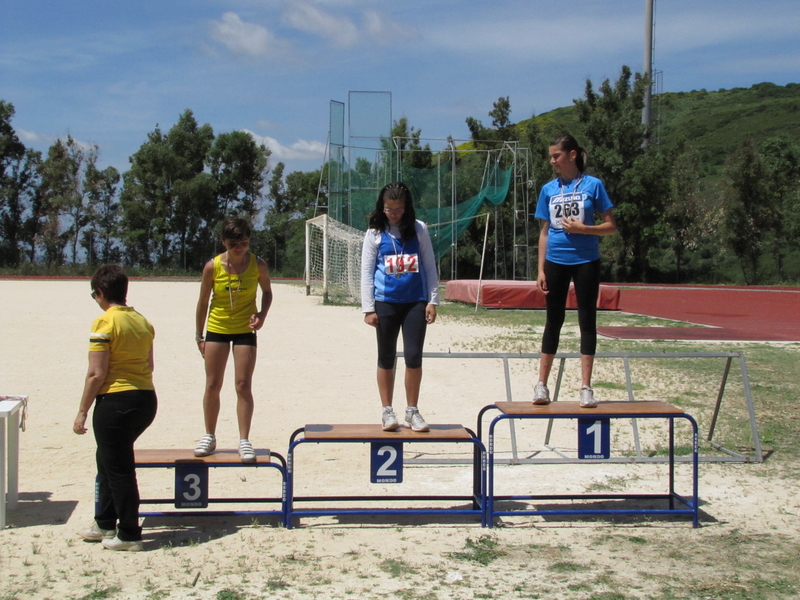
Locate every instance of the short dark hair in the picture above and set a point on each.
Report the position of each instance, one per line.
(110, 280)
(236, 229)
(395, 191)
(568, 143)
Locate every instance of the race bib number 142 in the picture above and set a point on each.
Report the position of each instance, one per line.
(397, 264)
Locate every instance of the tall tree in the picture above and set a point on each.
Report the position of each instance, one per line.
(164, 191)
(747, 216)
(19, 183)
(613, 134)
(239, 166)
(279, 213)
(104, 209)
(781, 161)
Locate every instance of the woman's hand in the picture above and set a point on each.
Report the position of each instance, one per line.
(541, 282)
(79, 426)
(430, 314)
(201, 345)
(571, 225)
(371, 319)
(257, 321)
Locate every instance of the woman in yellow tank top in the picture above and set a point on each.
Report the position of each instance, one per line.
(230, 281)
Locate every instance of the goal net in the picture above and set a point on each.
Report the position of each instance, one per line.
(333, 260)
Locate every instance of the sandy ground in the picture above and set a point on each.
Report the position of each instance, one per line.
(316, 365)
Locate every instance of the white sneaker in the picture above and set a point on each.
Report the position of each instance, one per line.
(206, 445)
(246, 452)
(93, 533)
(587, 397)
(415, 420)
(541, 395)
(117, 544)
(389, 419)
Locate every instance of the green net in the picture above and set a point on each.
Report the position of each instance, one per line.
(447, 213)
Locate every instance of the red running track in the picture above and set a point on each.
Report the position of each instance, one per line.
(731, 314)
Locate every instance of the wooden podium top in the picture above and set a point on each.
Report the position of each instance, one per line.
(365, 432)
(170, 455)
(604, 409)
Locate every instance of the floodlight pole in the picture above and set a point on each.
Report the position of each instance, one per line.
(648, 62)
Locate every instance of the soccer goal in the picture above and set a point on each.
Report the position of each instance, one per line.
(333, 259)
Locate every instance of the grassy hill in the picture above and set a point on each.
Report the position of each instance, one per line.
(714, 123)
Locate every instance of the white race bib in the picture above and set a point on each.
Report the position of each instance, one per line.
(397, 264)
(566, 206)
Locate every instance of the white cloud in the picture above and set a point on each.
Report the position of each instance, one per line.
(246, 38)
(385, 30)
(338, 29)
(300, 150)
(30, 137)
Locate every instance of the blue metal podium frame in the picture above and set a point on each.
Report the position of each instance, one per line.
(609, 410)
(364, 434)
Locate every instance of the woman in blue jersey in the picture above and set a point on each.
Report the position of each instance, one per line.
(119, 383)
(231, 281)
(399, 291)
(569, 249)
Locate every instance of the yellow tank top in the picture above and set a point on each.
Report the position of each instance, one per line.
(233, 299)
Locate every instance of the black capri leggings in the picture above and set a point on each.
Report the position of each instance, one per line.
(392, 317)
(587, 285)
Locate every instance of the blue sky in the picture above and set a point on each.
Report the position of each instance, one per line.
(108, 72)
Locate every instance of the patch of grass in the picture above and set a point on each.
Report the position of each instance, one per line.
(567, 566)
(231, 594)
(483, 550)
(101, 593)
(396, 567)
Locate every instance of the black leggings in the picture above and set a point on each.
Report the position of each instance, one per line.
(119, 418)
(392, 317)
(587, 285)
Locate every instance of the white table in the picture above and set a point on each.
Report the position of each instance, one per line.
(11, 408)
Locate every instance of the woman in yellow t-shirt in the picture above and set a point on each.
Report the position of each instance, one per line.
(119, 383)
(230, 281)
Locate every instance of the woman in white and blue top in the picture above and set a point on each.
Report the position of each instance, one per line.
(399, 292)
(574, 210)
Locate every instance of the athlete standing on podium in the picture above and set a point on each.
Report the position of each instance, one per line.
(569, 249)
(231, 281)
(399, 291)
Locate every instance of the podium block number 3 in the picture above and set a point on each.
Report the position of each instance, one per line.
(191, 485)
(386, 462)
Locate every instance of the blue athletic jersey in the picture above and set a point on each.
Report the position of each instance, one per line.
(580, 198)
(399, 276)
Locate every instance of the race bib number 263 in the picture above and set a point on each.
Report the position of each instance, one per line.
(568, 206)
(397, 264)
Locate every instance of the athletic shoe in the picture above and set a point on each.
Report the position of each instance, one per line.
(117, 544)
(541, 395)
(389, 419)
(415, 420)
(93, 533)
(587, 397)
(206, 445)
(246, 452)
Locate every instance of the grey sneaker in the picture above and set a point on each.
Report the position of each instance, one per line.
(117, 544)
(415, 420)
(541, 395)
(389, 419)
(587, 397)
(93, 533)
(206, 445)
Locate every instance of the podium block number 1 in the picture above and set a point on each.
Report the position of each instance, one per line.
(386, 462)
(594, 438)
(191, 484)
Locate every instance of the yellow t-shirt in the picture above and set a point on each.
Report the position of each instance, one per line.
(128, 337)
(233, 300)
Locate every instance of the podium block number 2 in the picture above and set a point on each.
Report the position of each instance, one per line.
(386, 462)
(191, 485)
(594, 438)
